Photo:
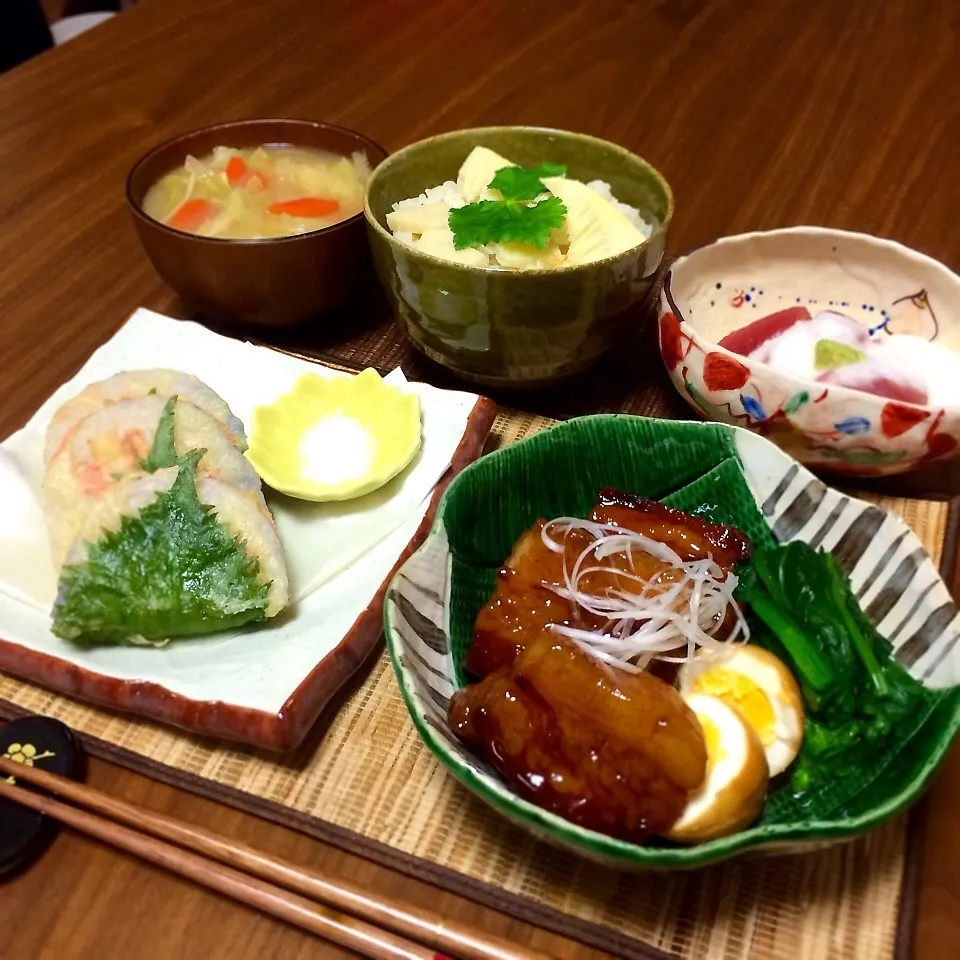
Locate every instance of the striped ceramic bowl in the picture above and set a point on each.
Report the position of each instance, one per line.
(733, 476)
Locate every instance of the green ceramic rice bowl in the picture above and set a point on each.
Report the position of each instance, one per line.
(510, 328)
(729, 475)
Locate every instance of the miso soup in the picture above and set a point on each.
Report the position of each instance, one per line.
(269, 191)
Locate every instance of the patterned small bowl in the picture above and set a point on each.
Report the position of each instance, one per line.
(728, 475)
(725, 285)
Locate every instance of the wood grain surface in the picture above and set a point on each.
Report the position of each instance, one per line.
(761, 113)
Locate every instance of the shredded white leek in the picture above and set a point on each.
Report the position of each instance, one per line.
(684, 609)
(188, 192)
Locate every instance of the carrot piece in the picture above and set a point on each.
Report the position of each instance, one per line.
(189, 215)
(306, 207)
(240, 175)
(237, 172)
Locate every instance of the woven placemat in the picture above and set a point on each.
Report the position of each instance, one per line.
(364, 781)
(631, 380)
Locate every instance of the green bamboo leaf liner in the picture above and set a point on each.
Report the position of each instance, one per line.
(367, 782)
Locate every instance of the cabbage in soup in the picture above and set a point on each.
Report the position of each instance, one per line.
(270, 191)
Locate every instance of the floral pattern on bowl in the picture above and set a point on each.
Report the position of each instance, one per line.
(725, 285)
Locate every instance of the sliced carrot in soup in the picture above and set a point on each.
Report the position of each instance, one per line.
(237, 172)
(190, 215)
(306, 207)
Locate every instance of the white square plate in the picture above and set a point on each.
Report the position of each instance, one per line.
(264, 685)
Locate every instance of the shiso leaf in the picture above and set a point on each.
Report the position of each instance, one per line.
(172, 570)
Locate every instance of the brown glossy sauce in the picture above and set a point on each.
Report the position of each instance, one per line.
(523, 604)
(614, 752)
(610, 750)
(689, 536)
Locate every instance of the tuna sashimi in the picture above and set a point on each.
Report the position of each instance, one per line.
(878, 378)
(745, 340)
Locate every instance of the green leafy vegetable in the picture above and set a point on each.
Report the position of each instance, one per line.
(521, 185)
(514, 219)
(856, 694)
(172, 570)
(491, 221)
(162, 453)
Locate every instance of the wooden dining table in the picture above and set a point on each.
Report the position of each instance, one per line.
(760, 113)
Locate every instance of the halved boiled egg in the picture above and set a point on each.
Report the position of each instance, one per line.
(761, 688)
(736, 782)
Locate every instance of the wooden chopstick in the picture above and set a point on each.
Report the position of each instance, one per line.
(350, 916)
(363, 938)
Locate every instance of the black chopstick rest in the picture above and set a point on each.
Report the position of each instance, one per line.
(47, 745)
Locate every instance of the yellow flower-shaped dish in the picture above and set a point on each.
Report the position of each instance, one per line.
(335, 438)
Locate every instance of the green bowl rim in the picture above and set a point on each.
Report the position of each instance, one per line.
(374, 224)
(500, 796)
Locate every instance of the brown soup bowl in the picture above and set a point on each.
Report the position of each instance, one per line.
(273, 282)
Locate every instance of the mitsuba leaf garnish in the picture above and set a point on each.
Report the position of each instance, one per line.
(172, 570)
(515, 218)
(520, 184)
(491, 221)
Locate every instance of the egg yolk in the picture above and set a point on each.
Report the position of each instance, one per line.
(741, 693)
(711, 736)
